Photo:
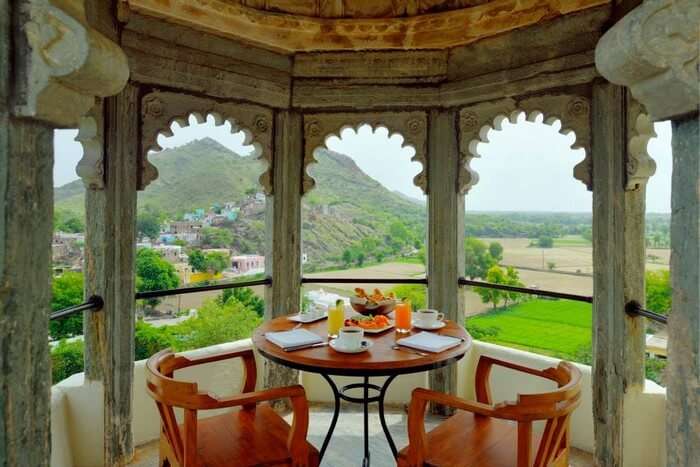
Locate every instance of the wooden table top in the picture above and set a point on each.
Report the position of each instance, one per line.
(379, 360)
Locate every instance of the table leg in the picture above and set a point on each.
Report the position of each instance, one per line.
(380, 403)
(336, 412)
(365, 461)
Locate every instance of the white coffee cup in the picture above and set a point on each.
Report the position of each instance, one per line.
(350, 338)
(428, 318)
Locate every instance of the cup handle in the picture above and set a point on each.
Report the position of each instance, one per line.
(441, 316)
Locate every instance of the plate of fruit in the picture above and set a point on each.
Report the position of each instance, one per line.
(374, 304)
(370, 324)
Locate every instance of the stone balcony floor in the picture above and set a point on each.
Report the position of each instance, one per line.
(345, 449)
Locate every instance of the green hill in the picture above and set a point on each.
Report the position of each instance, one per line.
(345, 206)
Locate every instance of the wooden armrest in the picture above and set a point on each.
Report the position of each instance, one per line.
(296, 442)
(483, 372)
(417, 439)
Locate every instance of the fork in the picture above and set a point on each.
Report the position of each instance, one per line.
(399, 347)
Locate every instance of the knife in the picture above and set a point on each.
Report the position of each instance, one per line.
(306, 346)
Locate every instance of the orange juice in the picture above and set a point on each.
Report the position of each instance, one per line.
(402, 316)
(336, 318)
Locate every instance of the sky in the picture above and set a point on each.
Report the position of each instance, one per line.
(524, 167)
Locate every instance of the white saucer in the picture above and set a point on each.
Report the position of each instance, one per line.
(435, 327)
(366, 344)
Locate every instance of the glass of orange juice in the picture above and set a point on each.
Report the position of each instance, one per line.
(336, 318)
(402, 316)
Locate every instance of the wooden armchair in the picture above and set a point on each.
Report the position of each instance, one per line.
(486, 435)
(251, 434)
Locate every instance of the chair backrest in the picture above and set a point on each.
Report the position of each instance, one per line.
(169, 393)
(555, 407)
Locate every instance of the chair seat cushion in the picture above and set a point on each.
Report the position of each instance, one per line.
(251, 437)
(466, 440)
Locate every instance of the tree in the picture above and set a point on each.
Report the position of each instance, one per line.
(247, 297)
(545, 241)
(551, 265)
(360, 258)
(496, 251)
(197, 260)
(512, 279)
(68, 221)
(217, 237)
(658, 291)
(66, 290)
(477, 258)
(495, 275)
(66, 359)
(149, 339)
(154, 273)
(148, 224)
(216, 261)
(347, 257)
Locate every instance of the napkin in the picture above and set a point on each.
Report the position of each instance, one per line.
(293, 338)
(429, 342)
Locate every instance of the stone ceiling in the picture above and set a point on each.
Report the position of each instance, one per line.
(291, 26)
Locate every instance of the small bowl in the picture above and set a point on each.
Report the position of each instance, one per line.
(382, 308)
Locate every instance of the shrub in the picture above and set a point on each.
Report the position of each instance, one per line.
(66, 360)
(149, 339)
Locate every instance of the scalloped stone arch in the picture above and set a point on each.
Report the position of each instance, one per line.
(160, 109)
(412, 126)
(475, 122)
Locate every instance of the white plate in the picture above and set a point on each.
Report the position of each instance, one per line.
(302, 318)
(366, 344)
(434, 327)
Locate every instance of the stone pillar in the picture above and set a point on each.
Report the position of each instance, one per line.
(283, 230)
(683, 370)
(618, 273)
(110, 246)
(26, 187)
(53, 66)
(445, 232)
(654, 51)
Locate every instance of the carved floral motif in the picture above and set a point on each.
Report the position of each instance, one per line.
(160, 109)
(476, 121)
(411, 125)
(65, 63)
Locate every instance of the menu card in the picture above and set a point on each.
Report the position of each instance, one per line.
(293, 338)
(429, 342)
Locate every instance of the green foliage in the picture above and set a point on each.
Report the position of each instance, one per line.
(197, 260)
(496, 251)
(154, 273)
(545, 242)
(216, 261)
(414, 293)
(65, 220)
(149, 339)
(66, 360)
(498, 275)
(477, 258)
(655, 370)
(216, 237)
(148, 223)
(247, 297)
(551, 265)
(658, 291)
(66, 290)
(216, 323)
(559, 328)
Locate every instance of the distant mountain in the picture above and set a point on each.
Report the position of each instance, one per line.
(345, 206)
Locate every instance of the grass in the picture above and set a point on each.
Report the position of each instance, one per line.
(560, 328)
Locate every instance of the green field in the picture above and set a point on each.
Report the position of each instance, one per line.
(560, 328)
(571, 240)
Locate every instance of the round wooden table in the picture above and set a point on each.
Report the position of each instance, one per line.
(380, 360)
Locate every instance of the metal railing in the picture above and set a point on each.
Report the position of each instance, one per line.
(527, 290)
(94, 303)
(634, 309)
(202, 288)
(340, 280)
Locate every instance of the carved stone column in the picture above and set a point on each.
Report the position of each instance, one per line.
(654, 50)
(52, 68)
(445, 244)
(283, 230)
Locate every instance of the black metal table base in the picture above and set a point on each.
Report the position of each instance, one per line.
(365, 400)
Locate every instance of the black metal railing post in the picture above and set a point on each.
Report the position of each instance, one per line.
(634, 309)
(94, 303)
